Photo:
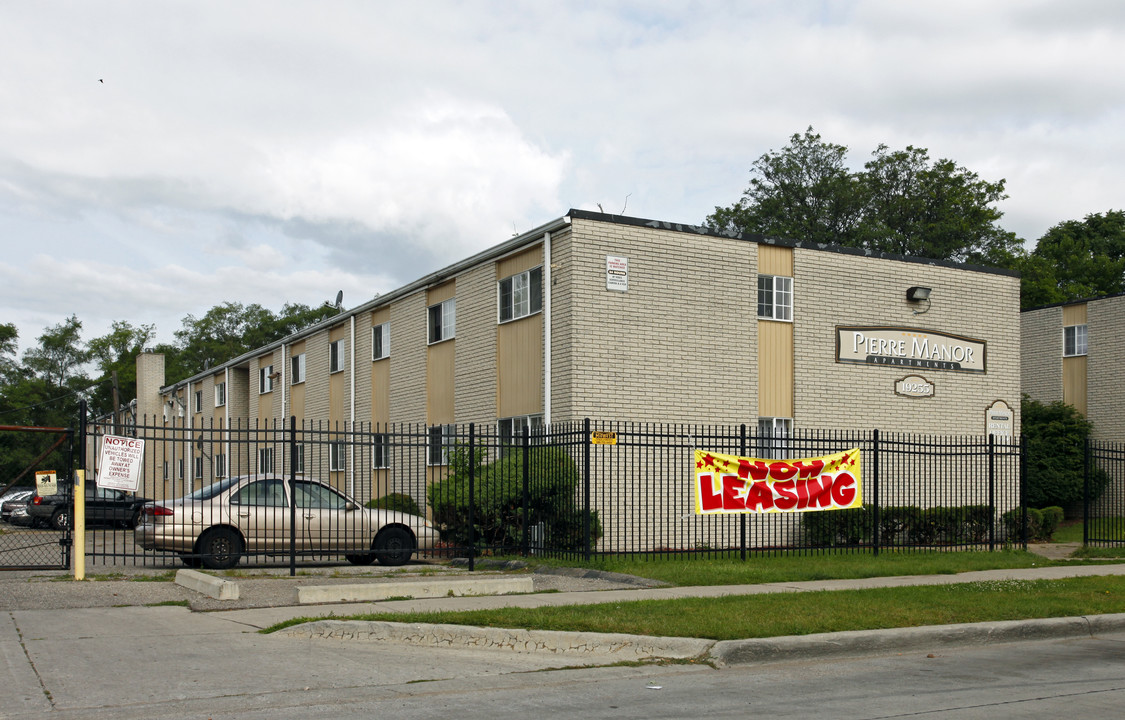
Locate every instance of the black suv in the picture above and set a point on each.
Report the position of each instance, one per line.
(104, 506)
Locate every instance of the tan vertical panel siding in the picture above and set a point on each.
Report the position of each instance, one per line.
(1074, 382)
(441, 293)
(475, 384)
(381, 374)
(297, 392)
(775, 369)
(337, 381)
(266, 401)
(519, 367)
(440, 365)
(774, 260)
(1106, 351)
(1074, 314)
(526, 260)
(408, 357)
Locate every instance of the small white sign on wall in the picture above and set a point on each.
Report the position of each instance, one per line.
(616, 273)
(119, 463)
(999, 419)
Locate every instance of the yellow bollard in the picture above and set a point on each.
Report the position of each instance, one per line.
(79, 519)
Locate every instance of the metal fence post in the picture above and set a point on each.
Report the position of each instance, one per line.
(1023, 491)
(1086, 491)
(991, 490)
(293, 495)
(742, 516)
(472, 496)
(586, 491)
(875, 516)
(525, 510)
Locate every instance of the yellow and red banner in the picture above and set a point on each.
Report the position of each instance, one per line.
(727, 484)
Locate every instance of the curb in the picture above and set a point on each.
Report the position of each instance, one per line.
(607, 647)
(374, 591)
(208, 585)
(596, 647)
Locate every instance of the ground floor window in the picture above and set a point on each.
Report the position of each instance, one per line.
(381, 451)
(441, 443)
(511, 429)
(773, 437)
(336, 456)
(265, 460)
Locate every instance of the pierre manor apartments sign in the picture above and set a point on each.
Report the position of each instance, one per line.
(909, 348)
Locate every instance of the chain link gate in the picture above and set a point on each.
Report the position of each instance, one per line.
(29, 542)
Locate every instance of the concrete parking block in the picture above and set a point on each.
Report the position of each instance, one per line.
(435, 588)
(209, 585)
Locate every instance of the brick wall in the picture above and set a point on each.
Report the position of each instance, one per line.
(1041, 370)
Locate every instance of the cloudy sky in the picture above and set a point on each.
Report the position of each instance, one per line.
(158, 158)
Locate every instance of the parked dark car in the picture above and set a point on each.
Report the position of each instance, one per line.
(104, 506)
(12, 499)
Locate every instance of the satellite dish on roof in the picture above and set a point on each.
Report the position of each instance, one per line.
(339, 299)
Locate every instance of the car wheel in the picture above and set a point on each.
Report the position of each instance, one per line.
(190, 560)
(394, 546)
(60, 519)
(135, 520)
(361, 558)
(221, 548)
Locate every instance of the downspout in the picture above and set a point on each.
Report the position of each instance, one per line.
(351, 400)
(226, 420)
(284, 416)
(547, 328)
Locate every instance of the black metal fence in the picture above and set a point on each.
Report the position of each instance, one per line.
(544, 491)
(1103, 506)
(30, 541)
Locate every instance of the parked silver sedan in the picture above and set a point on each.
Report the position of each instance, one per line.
(251, 515)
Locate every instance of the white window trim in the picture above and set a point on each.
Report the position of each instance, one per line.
(337, 349)
(197, 467)
(523, 278)
(517, 425)
(220, 394)
(384, 330)
(1085, 345)
(220, 465)
(265, 460)
(448, 438)
(299, 461)
(265, 379)
(779, 440)
(337, 456)
(774, 292)
(297, 369)
(448, 321)
(380, 448)
(198, 399)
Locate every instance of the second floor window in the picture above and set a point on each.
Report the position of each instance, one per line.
(521, 295)
(220, 394)
(199, 401)
(336, 356)
(297, 369)
(381, 341)
(1074, 340)
(443, 320)
(265, 379)
(775, 297)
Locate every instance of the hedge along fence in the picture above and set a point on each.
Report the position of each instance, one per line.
(904, 526)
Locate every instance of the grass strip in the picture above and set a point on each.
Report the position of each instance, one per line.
(772, 615)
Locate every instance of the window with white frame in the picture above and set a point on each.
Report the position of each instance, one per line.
(442, 438)
(511, 429)
(265, 460)
(166, 470)
(220, 394)
(381, 451)
(299, 459)
(336, 356)
(773, 437)
(180, 469)
(265, 379)
(442, 321)
(297, 369)
(775, 297)
(197, 467)
(1074, 340)
(220, 464)
(337, 455)
(381, 341)
(198, 399)
(521, 294)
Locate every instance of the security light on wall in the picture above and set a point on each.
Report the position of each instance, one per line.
(918, 294)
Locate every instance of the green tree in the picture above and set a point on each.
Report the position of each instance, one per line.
(116, 352)
(901, 202)
(231, 329)
(1076, 259)
(1056, 441)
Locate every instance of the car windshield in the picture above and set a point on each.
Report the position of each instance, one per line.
(206, 493)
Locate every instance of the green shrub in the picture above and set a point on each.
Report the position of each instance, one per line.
(498, 510)
(1052, 516)
(826, 528)
(1012, 521)
(897, 522)
(400, 502)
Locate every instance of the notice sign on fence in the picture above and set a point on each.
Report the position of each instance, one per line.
(119, 463)
(726, 484)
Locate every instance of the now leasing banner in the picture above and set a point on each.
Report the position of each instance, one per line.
(727, 484)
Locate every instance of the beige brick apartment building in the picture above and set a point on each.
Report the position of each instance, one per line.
(1072, 352)
(620, 318)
